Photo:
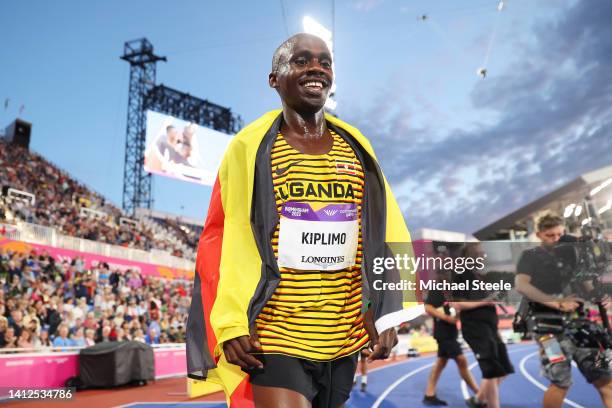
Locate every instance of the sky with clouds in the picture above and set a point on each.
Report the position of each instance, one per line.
(549, 109)
(460, 151)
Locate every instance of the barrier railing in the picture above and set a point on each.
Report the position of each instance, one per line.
(46, 368)
(16, 350)
(62, 349)
(39, 234)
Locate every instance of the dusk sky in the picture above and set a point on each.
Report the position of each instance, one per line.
(460, 151)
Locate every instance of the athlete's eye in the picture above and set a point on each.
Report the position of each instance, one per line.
(300, 61)
(326, 64)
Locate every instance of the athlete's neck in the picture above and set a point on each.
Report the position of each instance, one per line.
(304, 125)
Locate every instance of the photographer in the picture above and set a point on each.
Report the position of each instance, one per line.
(540, 279)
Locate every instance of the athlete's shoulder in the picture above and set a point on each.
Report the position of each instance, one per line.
(247, 140)
(258, 127)
(353, 131)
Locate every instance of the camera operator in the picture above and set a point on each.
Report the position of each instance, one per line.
(540, 279)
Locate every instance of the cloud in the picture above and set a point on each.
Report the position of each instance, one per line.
(366, 5)
(553, 110)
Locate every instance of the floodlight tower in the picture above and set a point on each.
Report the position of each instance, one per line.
(143, 66)
(311, 26)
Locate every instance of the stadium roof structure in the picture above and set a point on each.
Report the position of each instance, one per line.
(595, 185)
(430, 234)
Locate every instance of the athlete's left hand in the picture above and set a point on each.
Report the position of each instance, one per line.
(382, 346)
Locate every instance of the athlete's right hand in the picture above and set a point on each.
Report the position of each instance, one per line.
(239, 351)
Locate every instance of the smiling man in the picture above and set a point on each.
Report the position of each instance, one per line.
(282, 301)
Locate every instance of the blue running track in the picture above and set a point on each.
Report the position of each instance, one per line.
(402, 385)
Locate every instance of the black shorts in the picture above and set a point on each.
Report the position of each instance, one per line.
(325, 384)
(449, 348)
(488, 348)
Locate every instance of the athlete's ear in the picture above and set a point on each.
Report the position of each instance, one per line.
(272, 80)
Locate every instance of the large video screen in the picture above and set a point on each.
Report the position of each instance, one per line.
(183, 150)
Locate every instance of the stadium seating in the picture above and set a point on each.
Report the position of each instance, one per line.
(188, 233)
(46, 195)
(46, 301)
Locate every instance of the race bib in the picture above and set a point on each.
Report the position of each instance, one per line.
(323, 239)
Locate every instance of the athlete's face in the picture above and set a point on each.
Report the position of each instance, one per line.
(550, 236)
(304, 75)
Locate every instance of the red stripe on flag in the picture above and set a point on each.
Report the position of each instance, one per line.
(242, 397)
(209, 258)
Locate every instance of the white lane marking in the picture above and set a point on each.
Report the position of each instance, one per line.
(398, 382)
(539, 384)
(464, 389)
(410, 360)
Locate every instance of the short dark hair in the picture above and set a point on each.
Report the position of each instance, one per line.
(549, 221)
(284, 47)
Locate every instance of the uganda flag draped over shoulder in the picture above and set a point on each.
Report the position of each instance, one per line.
(236, 272)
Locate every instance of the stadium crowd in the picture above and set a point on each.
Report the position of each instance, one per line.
(58, 202)
(47, 302)
(187, 233)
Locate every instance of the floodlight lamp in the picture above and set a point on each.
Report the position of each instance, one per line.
(601, 187)
(605, 207)
(578, 211)
(311, 26)
(331, 104)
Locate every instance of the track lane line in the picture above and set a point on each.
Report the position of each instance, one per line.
(390, 388)
(464, 389)
(539, 384)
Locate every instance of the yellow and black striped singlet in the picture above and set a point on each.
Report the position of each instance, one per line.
(315, 315)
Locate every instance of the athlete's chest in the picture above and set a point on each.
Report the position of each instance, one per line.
(332, 177)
